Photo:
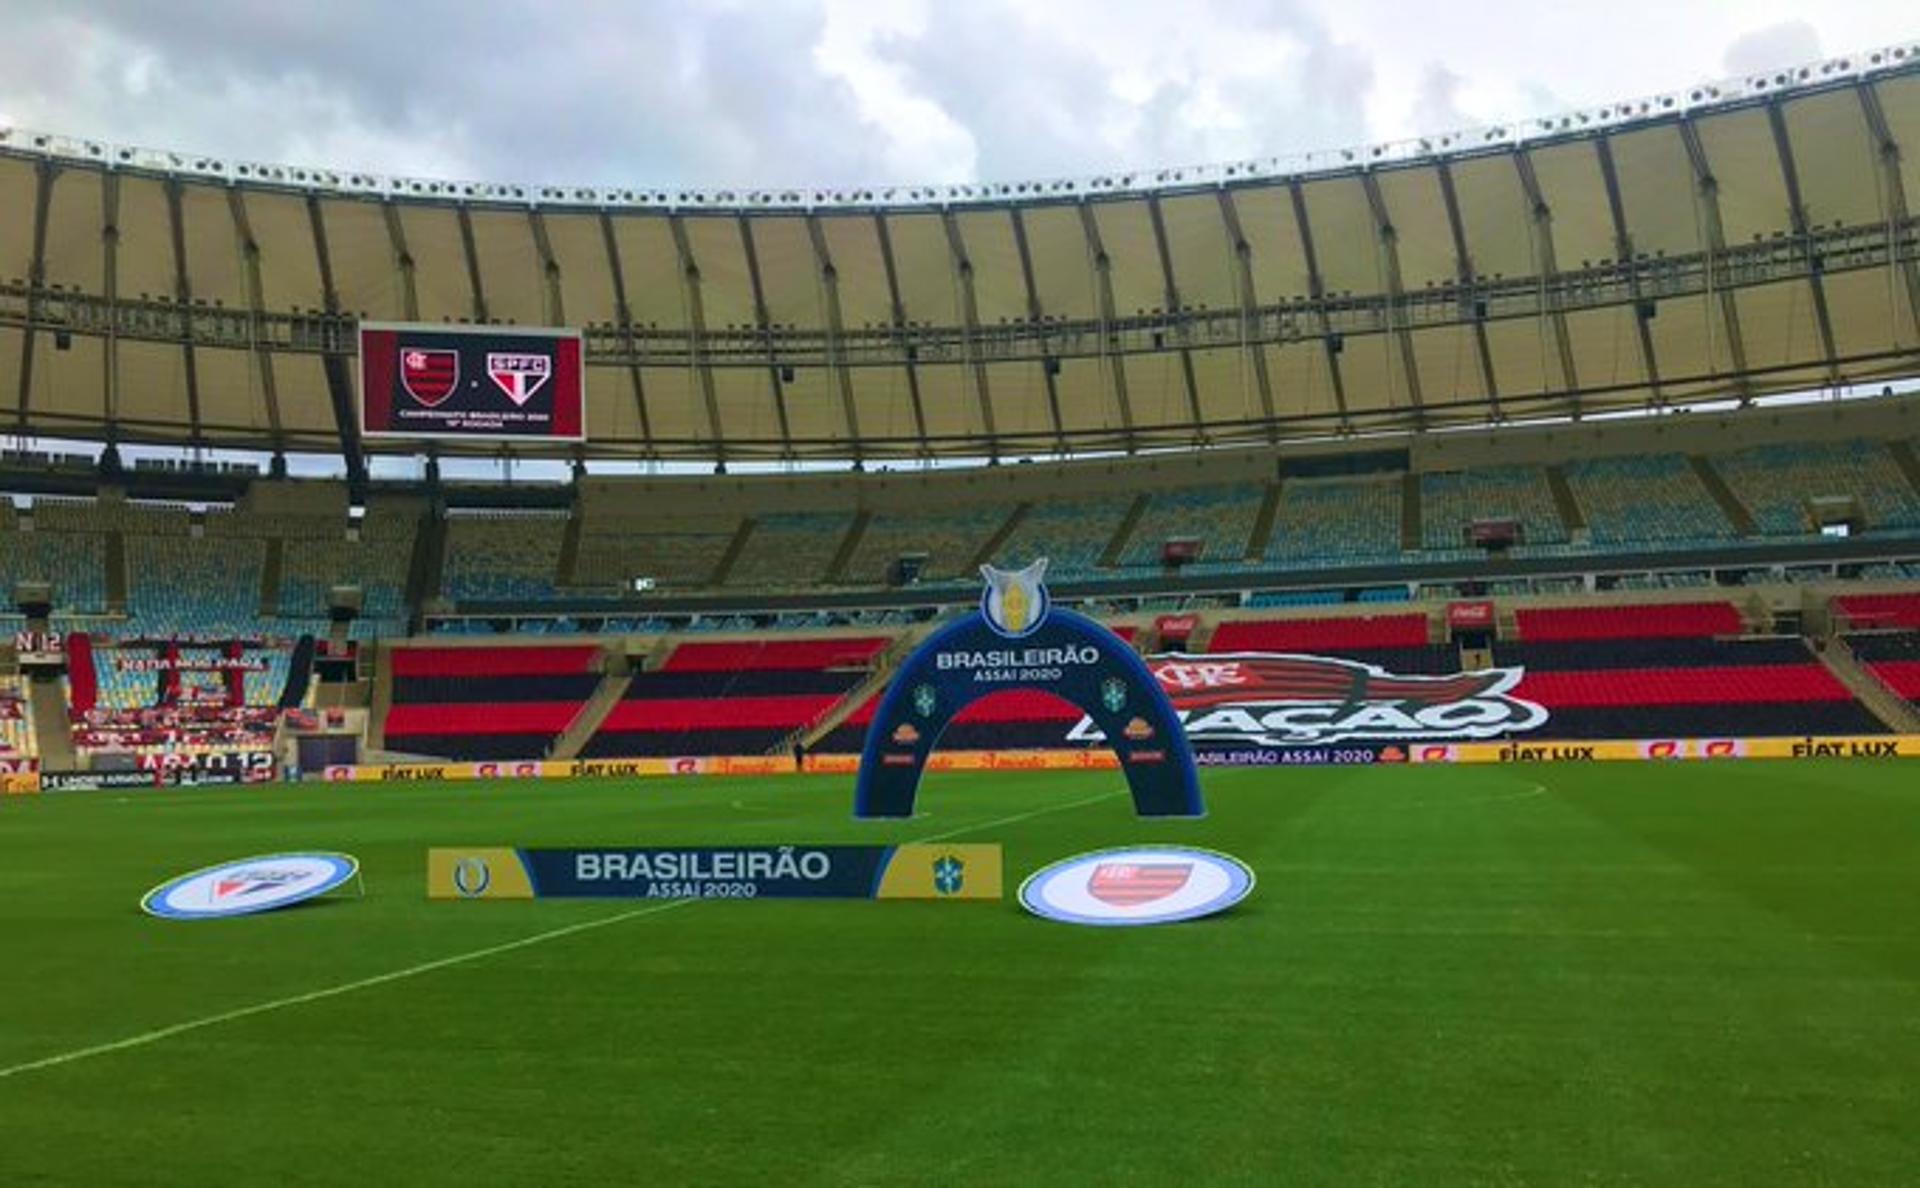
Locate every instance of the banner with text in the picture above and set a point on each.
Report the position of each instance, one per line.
(914, 871)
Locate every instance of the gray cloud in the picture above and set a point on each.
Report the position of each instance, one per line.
(1209, 81)
(1789, 43)
(669, 92)
(715, 93)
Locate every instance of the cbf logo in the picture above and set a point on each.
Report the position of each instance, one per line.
(949, 874)
(1015, 602)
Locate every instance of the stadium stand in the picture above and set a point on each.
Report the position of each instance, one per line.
(480, 703)
(1780, 484)
(185, 585)
(75, 563)
(318, 554)
(1863, 611)
(1341, 635)
(1070, 533)
(1655, 620)
(1452, 501)
(789, 549)
(500, 556)
(950, 537)
(733, 697)
(16, 732)
(1643, 499)
(677, 553)
(1893, 658)
(1621, 687)
(1337, 521)
(1220, 517)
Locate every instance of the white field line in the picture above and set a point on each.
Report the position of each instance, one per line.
(413, 971)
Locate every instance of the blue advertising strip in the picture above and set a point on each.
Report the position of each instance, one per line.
(708, 872)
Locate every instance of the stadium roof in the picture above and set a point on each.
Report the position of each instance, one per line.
(1739, 239)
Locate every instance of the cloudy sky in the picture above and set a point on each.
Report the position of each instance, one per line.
(839, 92)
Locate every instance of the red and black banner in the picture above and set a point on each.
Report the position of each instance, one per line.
(474, 382)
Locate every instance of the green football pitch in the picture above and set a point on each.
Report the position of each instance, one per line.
(1606, 974)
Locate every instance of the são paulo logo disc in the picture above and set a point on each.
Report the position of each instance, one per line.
(249, 885)
(1137, 885)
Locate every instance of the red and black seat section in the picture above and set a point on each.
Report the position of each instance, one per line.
(1674, 671)
(487, 702)
(1395, 643)
(732, 697)
(1017, 719)
(1892, 657)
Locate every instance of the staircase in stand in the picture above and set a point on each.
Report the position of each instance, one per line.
(52, 726)
(593, 713)
(1117, 547)
(1263, 523)
(382, 693)
(843, 556)
(849, 704)
(1410, 522)
(1895, 711)
(1572, 518)
(1735, 511)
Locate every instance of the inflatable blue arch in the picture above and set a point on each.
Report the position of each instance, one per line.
(1017, 640)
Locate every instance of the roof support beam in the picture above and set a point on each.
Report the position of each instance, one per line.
(624, 314)
(836, 351)
(898, 310)
(1330, 342)
(1643, 307)
(1249, 307)
(1547, 268)
(970, 309)
(334, 363)
(256, 309)
(1114, 363)
(1173, 303)
(1706, 190)
(696, 334)
(1893, 190)
(763, 322)
(1390, 264)
(402, 261)
(554, 301)
(474, 281)
(183, 298)
(44, 172)
(1473, 311)
(1038, 317)
(1797, 213)
(110, 281)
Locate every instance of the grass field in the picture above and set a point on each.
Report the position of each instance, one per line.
(1675, 974)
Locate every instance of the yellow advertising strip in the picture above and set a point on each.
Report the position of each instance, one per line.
(911, 872)
(489, 872)
(19, 783)
(1886, 746)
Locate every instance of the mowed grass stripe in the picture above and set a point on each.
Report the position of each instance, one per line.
(426, 967)
(1687, 973)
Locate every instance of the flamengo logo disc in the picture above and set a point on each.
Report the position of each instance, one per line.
(1137, 885)
(250, 885)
